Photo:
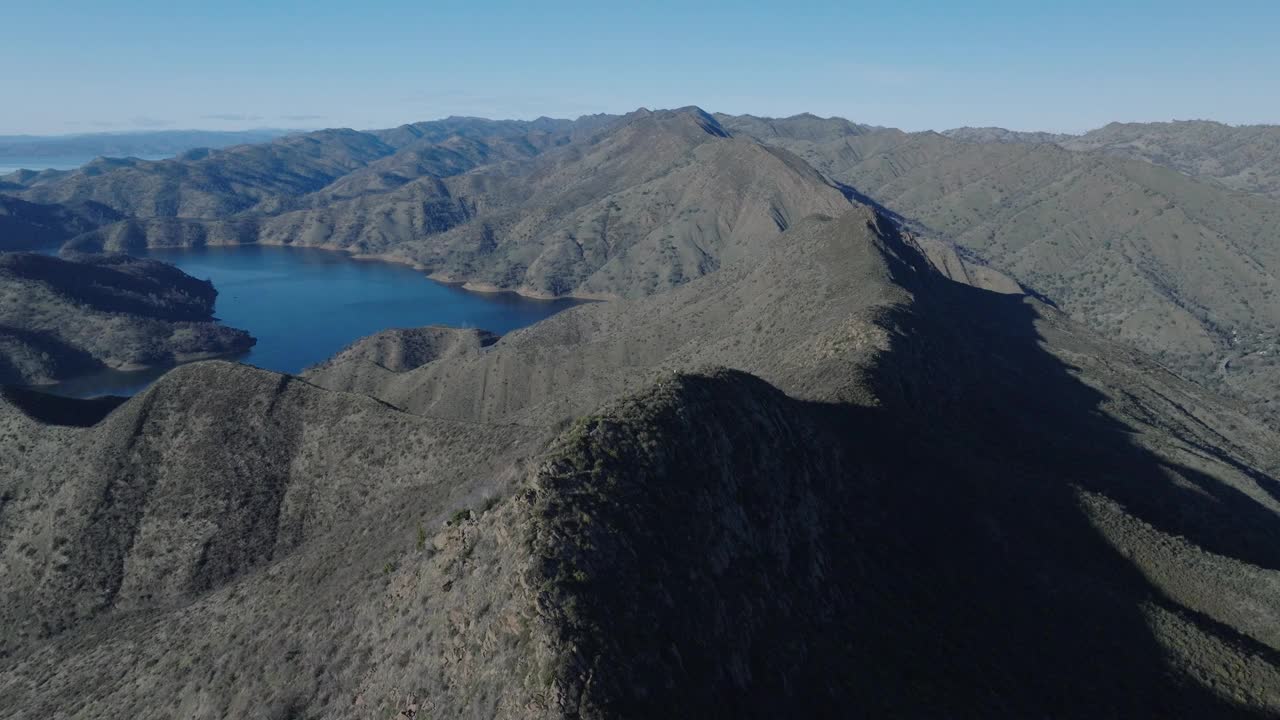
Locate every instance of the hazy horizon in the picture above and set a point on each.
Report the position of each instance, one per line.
(282, 129)
(912, 65)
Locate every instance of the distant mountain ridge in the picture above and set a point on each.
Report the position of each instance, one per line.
(1238, 157)
(998, 134)
(151, 143)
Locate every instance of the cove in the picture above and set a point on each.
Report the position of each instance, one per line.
(305, 304)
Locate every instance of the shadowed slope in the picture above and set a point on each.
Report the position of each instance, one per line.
(31, 226)
(1183, 269)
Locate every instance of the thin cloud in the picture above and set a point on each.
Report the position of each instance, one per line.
(302, 118)
(232, 117)
(150, 122)
(514, 105)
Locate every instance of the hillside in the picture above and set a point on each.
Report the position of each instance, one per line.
(1244, 158)
(211, 183)
(215, 184)
(367, 365)
(607, 207)
(1182, 269)
(924, 499)
(30, 226)
(60, 317)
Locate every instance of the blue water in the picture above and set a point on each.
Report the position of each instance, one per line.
(303, 305)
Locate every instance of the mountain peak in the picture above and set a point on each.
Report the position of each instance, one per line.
(690, 114)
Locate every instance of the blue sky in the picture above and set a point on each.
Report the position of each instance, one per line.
(92, 66)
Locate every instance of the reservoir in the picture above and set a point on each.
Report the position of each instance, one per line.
(303, 305)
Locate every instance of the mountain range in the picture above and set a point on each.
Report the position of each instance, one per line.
(865, 425)
(1154, 247)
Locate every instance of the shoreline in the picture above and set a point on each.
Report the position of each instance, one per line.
(127, 373)
(475, 286)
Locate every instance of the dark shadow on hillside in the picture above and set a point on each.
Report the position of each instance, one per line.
(56, 410)
(978, 583)
(853, 194)
(119, 284)
(741, 553)
(723, 550)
